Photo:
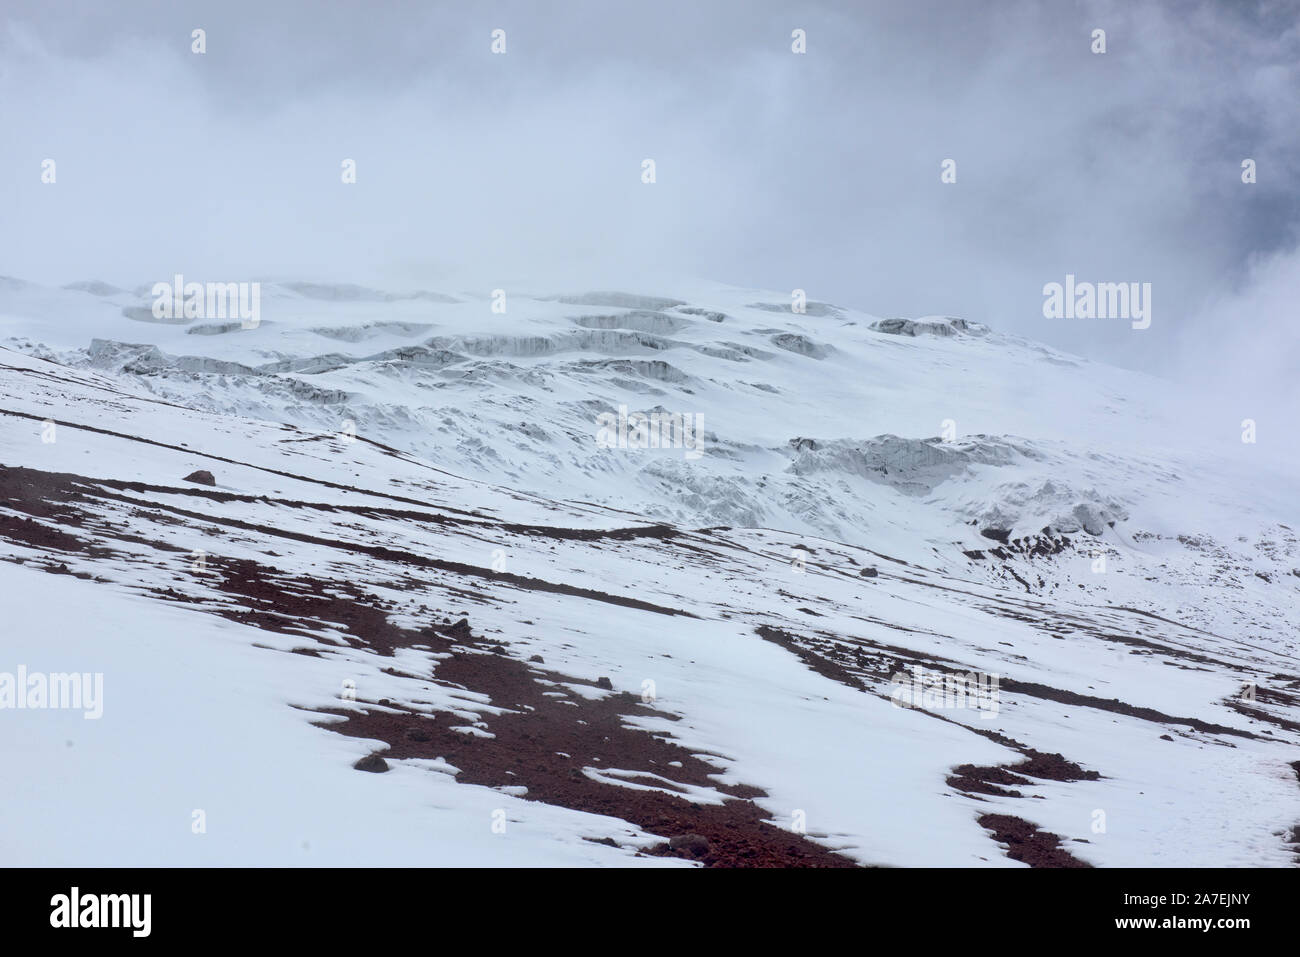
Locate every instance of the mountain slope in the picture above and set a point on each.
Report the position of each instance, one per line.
(334, 595)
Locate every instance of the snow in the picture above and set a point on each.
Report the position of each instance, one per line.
(475, 446)
(196, 718)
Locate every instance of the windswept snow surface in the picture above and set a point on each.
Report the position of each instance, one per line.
(415, 546)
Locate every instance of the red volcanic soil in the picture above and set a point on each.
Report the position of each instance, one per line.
(544, 743)
(1027, 843)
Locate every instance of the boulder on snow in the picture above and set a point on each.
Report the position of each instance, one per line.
(373, 763)
(201, 477)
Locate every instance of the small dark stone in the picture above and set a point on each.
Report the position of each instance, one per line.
(1165, 737)
(385, 703)
(693, 844)
(868, 573)
(605, 683)
(201, 477)
(537, 658)
(498, 649)
(460, 629)
(373, 763)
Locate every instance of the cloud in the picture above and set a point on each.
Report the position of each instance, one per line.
(819, 171)
(1248, 353)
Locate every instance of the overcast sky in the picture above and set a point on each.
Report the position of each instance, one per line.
(819, 171)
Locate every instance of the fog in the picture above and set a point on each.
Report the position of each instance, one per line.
(818, 171)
